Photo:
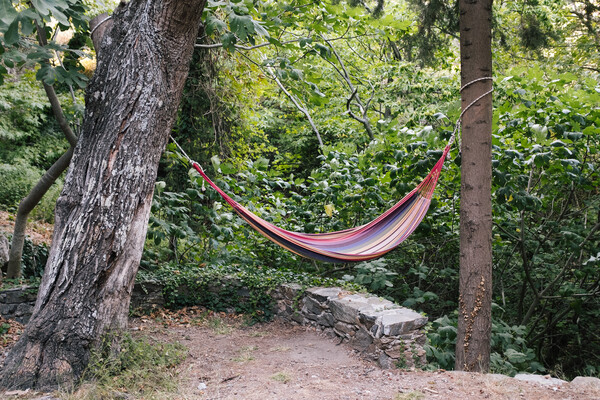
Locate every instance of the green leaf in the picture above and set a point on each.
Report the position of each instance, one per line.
(241, 25)
(515, 357)
(7, 14)
(12, 33)
(229, 40)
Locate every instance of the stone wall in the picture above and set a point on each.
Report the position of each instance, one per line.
(376, 328)
(17, 303)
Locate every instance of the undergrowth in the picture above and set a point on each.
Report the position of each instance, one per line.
(142, 368)
(232, 288)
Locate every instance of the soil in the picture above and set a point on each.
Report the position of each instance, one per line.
(38, 231)
(232, 360)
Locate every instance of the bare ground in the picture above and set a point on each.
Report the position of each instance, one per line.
(231, 360)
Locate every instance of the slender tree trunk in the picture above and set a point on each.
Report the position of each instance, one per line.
(46, 181)
(474, 317)
(26, 206)
(102, 213)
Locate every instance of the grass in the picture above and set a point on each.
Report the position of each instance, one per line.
(219, 326)
(280, 349)
(245, 354)
(409, 396)
(282, 377)
(141, 369)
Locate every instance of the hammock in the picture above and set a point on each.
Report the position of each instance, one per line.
(361, 243)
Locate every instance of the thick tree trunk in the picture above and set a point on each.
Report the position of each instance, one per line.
(474, 317)
(102, 213)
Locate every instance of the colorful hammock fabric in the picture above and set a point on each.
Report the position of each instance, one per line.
(361, 243)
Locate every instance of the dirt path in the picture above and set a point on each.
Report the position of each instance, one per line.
(229, 360)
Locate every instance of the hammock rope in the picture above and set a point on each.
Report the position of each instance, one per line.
(361, 243)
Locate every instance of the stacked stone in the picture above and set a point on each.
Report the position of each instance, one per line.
(375, 327)
(17, 303)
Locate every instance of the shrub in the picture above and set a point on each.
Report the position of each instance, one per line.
(17, 181)
(44, 211)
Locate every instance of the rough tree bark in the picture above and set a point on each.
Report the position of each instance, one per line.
(102, 213)
(474, 317)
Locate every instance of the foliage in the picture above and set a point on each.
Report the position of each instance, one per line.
(373, 275)
(256, 145)
(21, 20)
(16, 184)
(34, 259)
(239, 288)
(44, 210)
(510, 353)
(141, 366)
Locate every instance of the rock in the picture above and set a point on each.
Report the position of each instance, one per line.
(362, 340)
(394, 353)
(19, 295)
(6, 310)
(385, 361)
(312, 306)
(545, 380)
(344, 311)
(343, 327)
(290, 291)
(402, 321)
(325, 319)
(324, 294)
(147, 296)
(297, 317)
(585, 382)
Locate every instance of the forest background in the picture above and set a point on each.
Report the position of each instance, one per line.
(320, 115)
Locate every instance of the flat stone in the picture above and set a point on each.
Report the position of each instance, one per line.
(585, 382)
(394, 353)
(499, 378)
(324, 294)
(344, 311)
(366, 318)
(402, 321)
(545, 380)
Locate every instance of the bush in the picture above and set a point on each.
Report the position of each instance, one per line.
(17, 181)
(44, 211)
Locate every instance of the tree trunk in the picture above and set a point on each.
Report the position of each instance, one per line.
(26, 206)
(474, 317)
(102, 213)
(45, 182)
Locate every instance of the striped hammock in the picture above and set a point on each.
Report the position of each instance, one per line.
(361, 243)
